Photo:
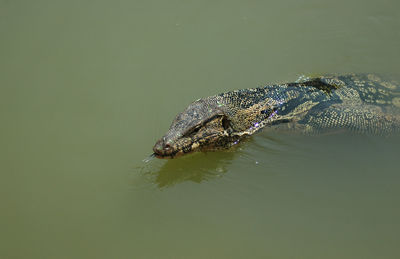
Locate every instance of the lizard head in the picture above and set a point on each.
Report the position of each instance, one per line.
(202, 125)
(213, 123)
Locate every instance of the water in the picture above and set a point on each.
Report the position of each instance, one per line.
(86, 88)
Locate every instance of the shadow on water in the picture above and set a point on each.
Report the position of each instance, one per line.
(197, 167)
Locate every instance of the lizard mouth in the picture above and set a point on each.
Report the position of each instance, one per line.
(168, 156)
(162, 156)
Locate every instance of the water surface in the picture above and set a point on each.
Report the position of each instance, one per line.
(86, 89)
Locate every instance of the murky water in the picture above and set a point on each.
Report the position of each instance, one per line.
(87, 87)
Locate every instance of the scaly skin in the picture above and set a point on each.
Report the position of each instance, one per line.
(362, 103)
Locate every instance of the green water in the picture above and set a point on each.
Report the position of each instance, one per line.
(87, 87)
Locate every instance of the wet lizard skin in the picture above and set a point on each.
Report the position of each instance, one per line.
(360, 103)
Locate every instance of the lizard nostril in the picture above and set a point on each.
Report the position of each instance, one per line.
(158, 147)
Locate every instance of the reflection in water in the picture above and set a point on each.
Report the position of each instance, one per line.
(202, 166)
(197, 167)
